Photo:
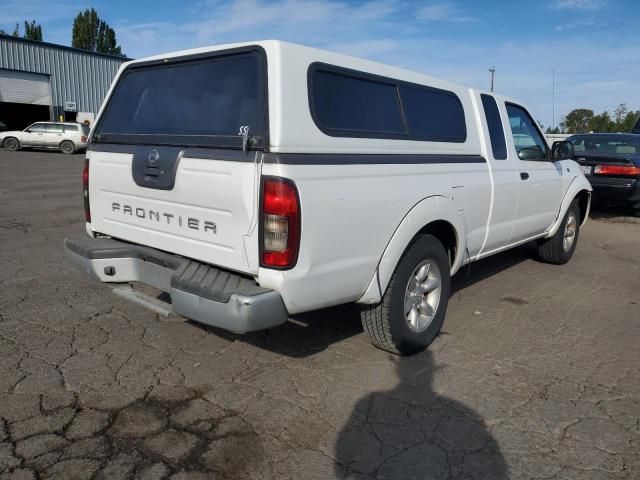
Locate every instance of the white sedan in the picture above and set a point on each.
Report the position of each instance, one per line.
(66, 137)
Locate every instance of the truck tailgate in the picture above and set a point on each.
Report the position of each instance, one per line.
(204, 215)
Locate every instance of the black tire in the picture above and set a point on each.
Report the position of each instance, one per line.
(11, 143)
(386, 322)
(67, 147)
(552, 250)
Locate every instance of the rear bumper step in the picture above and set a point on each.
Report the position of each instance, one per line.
(200, 292)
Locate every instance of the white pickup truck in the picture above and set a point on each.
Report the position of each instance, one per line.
(258, 180)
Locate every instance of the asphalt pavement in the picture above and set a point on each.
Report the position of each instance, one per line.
(536, 374)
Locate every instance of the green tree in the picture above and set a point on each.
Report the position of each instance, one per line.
(601, 123)
(32, 31)
(93, 34)
(620, 113)
(628, 121)
(577, 121)
(15, 33)
(582, 120)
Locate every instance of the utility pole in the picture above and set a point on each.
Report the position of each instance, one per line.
(553, 96)
(493, 73)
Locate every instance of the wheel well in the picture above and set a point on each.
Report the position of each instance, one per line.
(583, 203)
(446, 233)
(7, 138)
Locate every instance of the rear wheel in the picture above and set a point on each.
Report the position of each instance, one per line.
(413, 307)
(559, 249)
(11, 143)
(67, 147)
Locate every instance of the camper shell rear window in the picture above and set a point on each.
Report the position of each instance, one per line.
(204, 100)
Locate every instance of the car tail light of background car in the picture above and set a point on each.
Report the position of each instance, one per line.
(279, 223)
(83, 139)
(626, 170)
(85, 190)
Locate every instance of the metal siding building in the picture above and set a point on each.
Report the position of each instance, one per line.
(73, 76)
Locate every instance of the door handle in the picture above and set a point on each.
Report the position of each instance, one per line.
(524, 175)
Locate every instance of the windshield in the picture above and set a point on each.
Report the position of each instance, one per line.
(605, 144)
(190, 102)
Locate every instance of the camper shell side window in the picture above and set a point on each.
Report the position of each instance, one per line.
(351, 103)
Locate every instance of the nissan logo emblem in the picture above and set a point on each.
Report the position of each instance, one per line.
(154, 156)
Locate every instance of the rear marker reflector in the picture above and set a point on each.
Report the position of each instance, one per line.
(85, 190)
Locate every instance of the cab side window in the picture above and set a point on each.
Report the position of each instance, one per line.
(526, 137)
(54, 128)
(37, 128)
(494, 124)
(579, 144)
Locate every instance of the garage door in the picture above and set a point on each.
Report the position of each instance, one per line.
(23, 87)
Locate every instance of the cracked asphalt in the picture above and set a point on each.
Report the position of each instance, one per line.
(536, 374)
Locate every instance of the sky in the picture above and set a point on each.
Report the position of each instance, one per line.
(592, 45)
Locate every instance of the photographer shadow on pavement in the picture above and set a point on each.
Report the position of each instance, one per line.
(411, 432)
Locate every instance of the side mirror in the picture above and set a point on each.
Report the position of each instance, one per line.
(533, 152)
(562, 150)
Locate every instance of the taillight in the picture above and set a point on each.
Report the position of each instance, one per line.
(616, 170)
(83, 139)
(85, 190)
(280, 223)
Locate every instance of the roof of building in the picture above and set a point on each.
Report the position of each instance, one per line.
(61, 47)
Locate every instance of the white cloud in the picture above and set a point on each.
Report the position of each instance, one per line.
(366, 48)
(317, 22)
(55, 17)
(17, 11)
(442, 12)
(587, 22)
(578, 4)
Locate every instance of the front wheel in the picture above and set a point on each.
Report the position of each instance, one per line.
(11, 144)
(559, 249)
(413, 307)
